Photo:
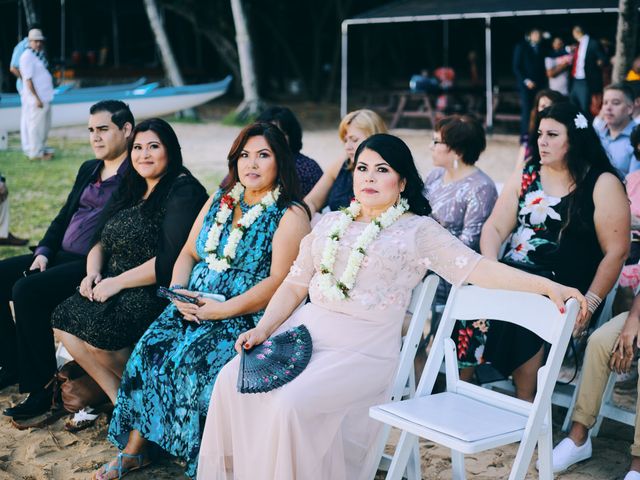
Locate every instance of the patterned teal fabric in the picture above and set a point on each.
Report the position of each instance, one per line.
(169, 378)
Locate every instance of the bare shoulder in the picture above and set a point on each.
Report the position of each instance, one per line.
(607, 184)
(295, 218)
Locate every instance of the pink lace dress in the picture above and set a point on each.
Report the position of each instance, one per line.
(317, 426)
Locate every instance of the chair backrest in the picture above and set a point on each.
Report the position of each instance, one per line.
(533, 312)
(419, 308)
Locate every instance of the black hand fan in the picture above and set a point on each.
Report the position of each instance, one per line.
(275, 362)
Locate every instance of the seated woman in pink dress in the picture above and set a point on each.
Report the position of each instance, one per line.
(317, 426)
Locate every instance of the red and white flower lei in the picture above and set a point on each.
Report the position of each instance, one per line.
(227, 204)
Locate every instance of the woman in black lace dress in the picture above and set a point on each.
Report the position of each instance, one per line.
(146, 227)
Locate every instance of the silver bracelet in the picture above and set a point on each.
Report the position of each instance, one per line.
(593, 301)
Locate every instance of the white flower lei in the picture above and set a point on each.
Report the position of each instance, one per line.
(339, 290)
(227, 204)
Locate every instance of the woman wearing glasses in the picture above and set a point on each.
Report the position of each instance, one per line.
(461, 198)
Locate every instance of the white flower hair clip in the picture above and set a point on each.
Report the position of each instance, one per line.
(580, 121)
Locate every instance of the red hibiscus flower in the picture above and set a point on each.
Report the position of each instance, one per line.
(527, 180)
(227, 200)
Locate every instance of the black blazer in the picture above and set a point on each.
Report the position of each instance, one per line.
(183, 204)
(592, 71)
(527, 63)
(52, 239)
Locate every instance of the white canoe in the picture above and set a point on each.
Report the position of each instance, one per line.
(68, 110)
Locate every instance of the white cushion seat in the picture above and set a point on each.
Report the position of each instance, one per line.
(459, 416)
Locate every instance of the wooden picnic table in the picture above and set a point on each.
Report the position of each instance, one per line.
(424, 105)
(421, 106)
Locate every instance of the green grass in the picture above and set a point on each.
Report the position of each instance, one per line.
(38, 189)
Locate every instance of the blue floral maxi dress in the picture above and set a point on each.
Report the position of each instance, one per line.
(167, 383)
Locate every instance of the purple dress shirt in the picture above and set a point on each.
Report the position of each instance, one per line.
(77, 238)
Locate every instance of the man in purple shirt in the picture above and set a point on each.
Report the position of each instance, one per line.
(37, 284)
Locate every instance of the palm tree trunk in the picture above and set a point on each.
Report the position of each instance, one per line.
(251, 103)
(30, 13)
(166, 54)
(625, 38)
(168, 60)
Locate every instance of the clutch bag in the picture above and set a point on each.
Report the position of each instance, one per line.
(276, 361)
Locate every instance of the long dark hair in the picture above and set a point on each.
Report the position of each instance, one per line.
(585, 157)
(396, 153)
(287, 177)
(284, 118)
(133, 186)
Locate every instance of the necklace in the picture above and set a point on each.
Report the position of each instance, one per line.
(227, 204)
(339, 289)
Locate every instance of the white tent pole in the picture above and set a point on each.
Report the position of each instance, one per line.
(488, 76)
(343, 80)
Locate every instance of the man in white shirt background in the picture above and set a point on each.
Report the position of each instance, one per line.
(14, 68)
(36, 96)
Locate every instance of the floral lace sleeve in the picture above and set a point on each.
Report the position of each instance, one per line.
(302, 269)
(444, 254)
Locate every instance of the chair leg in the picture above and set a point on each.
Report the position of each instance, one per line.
(414, 469)
(545, 455)
(606, 398)
(401, 456)
(566, 425)
(457, 465)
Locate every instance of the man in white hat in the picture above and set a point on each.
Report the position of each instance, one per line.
(36, 96)
(14, 68)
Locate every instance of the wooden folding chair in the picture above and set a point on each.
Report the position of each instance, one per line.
(467, 418)
(404, 381)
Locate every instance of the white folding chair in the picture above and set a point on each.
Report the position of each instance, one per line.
(404, 381)
(608, 409)
(467, 418)
(565, 394)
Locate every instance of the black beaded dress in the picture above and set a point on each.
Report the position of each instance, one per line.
(130, 238)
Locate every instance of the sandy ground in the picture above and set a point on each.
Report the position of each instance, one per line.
(53, 453)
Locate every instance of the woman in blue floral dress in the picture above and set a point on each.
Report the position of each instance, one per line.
(568, 216)
(166, 387)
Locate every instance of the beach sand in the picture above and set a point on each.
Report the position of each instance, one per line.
(52, 453)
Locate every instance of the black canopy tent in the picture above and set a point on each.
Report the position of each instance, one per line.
(403, 11)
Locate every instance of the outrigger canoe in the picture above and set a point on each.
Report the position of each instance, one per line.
(71, 88)
(145, 101)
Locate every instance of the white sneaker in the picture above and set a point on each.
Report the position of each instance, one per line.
(632, 475)
(567, 453)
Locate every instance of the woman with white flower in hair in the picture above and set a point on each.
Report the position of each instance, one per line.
(359, 267)
(568, 217)
(241, 247)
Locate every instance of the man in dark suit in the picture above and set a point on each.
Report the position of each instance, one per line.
(530, 72)
(37, 284)
(586, 73)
